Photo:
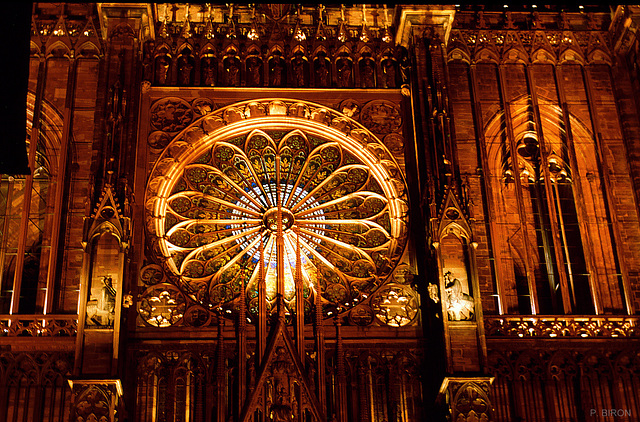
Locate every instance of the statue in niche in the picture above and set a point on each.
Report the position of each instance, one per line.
(298, 71)
(405, 68)
(322, 73)
(460, 306)
(233, 73)
(281, 409)
(101, 305)
(253, 71)
(162, 70)
(252, 372)
(367, 74)
(108, 294)
(185, 70)
(433, 292)
(147, 63)
(344, 73)
(275, 73)
(208, 65)
(389, 73)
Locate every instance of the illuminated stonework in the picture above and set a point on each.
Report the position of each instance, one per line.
(161, 305)
(217, 195)
(395, 305)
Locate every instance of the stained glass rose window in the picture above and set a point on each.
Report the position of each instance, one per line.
(223, 189)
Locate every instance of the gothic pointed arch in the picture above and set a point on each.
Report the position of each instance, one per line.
(282, 387)
(571, 54)
(89, 50)
(457, 48)
(58, 48)
(458, 54)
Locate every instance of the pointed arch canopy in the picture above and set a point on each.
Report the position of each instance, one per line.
(214, 196)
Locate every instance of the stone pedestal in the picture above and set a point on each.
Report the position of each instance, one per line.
(96, 400)
(468, 398)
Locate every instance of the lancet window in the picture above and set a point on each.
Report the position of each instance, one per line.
(550, 201)
(26, 220)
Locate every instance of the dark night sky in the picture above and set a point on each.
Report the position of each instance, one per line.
(15, 31)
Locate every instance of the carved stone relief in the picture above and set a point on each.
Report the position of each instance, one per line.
(171, 114)
(381, 117)
(470, 402)
(460, 306)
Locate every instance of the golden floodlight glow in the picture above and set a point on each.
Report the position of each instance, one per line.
(216, 197)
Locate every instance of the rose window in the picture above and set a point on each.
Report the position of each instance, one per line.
(268, 192)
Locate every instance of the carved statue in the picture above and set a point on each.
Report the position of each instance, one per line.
(102, 303)
(275, 73)
(344, 73)
(253, 71)
(162, 70)
(390, 73)
(281, 409)
(147, 63)
(298, 71)
(108, 294)
(460, 306)
(208, 71)
(185, 69)
(433, 292)
(252, 372)
(405, 68)
(233, 73)
(322, 73)
(367, 74)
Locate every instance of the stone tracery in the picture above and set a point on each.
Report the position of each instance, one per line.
(216, 200)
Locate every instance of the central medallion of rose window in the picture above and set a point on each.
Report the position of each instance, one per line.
(271, 219)
(219, 192)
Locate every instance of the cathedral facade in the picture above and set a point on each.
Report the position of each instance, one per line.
(280, 212)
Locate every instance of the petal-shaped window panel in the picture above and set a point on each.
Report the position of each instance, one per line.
(220, 197)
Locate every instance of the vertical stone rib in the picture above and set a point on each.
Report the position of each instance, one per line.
(299, 304)
(279, 246)
(553, 212)
(262, 308)
(28, 187)
(610, 200)
(490, 213)
(342, 377)
(220, 372)
(320, 356)
(242, 348)
(506, 106)
(60, 186)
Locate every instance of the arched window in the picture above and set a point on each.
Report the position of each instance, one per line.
(26, 218)
(552, 211)
(550, 193)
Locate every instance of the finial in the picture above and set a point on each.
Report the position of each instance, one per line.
(364, 32)
(298, 34)
(253, 32)
(342, 31)
(209, 33)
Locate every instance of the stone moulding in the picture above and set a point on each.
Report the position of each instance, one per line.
(38, 325)
(562, 326)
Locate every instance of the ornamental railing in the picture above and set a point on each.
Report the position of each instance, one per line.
(564, 326)
(38, 325)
